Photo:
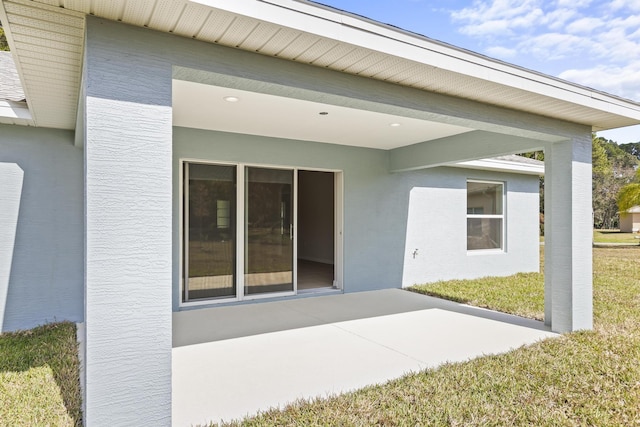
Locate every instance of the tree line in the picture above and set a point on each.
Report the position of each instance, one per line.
(614, 168)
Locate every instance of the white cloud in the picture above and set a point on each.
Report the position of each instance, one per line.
(596, 42)
(496, 9)
(615, 46)
(584, 25)
(621, 80)
(501, 52)
(487, 28)
(629, 22)
(633, 5)
(574, 3)
(557, 19)
(553, 46)
(498, 16)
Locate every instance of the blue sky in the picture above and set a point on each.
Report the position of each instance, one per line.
(595, 43)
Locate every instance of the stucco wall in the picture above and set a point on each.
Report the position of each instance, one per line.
(386, 215)
(41, 227)
(436, 227)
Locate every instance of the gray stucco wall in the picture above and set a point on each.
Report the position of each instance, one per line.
(41, 223)
(365, 178)
(436, 227)
(386, 215)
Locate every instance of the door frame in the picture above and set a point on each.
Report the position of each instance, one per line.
(240, 230)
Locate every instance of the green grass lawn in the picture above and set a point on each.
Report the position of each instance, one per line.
(589, 378)
(615, 236)
(39, 382)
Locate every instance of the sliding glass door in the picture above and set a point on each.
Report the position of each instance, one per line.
(210, 231)
(269, 245)
(238, 231)
(241, 232)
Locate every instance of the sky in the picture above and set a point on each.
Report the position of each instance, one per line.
(595, 43)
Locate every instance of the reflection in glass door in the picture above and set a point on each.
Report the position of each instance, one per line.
(268, 231)
(210, 230)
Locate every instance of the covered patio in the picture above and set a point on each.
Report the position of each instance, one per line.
(228, 362)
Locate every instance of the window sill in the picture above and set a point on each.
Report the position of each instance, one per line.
(476, 252)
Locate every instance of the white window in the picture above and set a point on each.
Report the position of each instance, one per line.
(485, 215)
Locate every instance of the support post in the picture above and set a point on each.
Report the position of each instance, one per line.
(568, 235)
(128, 231)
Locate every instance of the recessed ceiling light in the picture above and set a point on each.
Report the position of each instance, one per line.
(323, 113)
(231, 98)
(394, 125)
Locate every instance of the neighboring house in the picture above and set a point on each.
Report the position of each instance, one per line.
(183, 154)
(630, 220)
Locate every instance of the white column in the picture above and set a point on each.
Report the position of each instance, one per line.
(128, 208)
(568, 235)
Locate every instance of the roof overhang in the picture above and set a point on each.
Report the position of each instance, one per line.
(46, 37)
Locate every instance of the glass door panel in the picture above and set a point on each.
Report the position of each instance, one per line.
(268, 231)
(210, 230)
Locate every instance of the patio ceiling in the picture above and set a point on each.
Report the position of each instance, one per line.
(203, 106)
(46, 37)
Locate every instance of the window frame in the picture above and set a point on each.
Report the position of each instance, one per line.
(502, 217)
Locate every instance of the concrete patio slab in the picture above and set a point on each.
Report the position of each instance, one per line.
(229, 362)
